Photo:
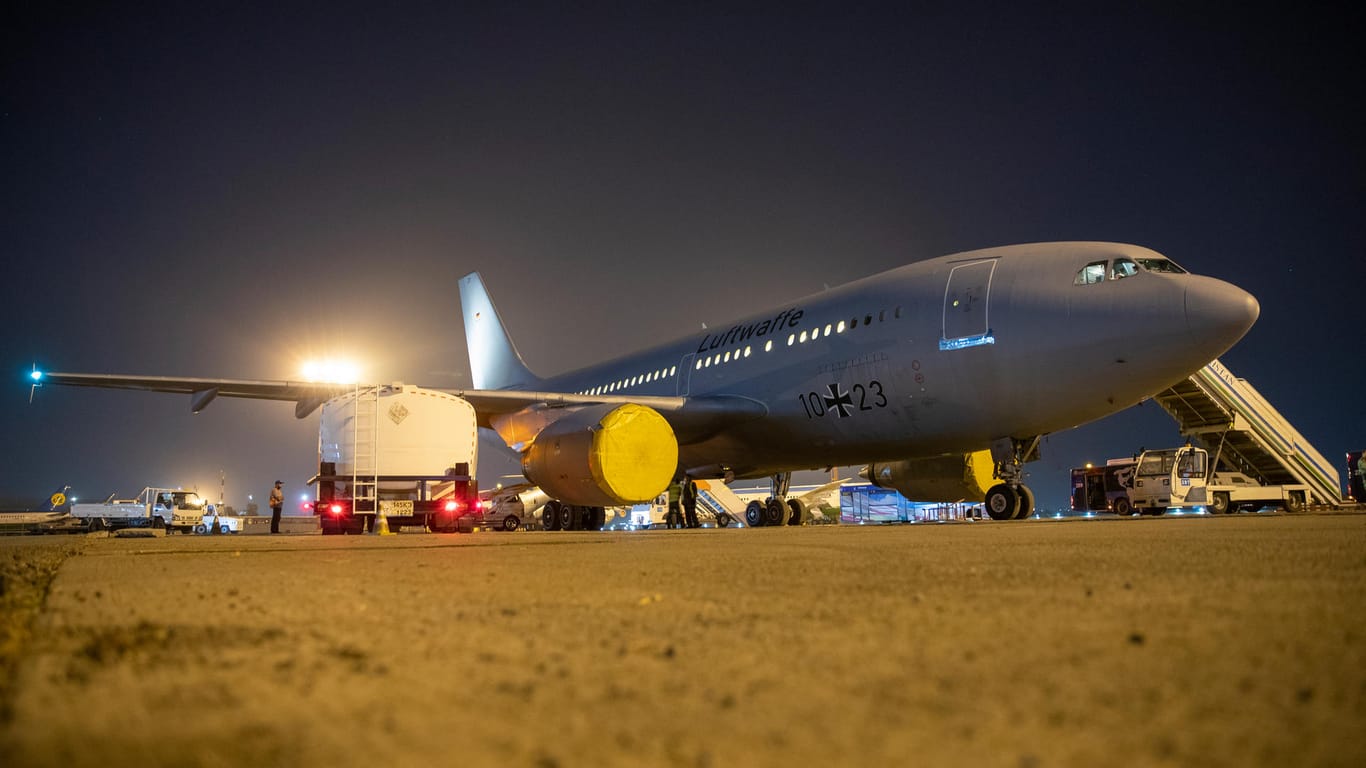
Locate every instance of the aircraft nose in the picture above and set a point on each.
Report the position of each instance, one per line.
(1216, 309)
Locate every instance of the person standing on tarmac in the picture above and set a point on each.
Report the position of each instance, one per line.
(674, 517)
(690, 504)
(277, 502)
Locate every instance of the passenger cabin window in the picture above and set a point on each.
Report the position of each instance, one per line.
(1123, 268)
(1091, 273)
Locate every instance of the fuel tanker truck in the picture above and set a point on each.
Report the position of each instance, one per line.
(399, 455)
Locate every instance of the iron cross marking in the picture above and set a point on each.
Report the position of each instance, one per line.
(839, 402)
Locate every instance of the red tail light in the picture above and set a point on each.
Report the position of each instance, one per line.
(335, 508)
(452, 505)
(479, 505)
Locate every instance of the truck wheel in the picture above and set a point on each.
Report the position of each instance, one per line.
(97, 524)
(1123, 508)
(511, 522)
(1294, 502)
(1219, 503)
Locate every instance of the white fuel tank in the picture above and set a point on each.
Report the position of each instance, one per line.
(398, 430)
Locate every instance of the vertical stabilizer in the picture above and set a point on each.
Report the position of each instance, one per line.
(494, 362)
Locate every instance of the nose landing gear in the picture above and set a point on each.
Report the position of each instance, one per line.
(1011, 499)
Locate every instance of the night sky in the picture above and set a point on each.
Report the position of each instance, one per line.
(213, 190)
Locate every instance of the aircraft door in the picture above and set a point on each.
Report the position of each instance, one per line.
(966, 303)
(685, 373)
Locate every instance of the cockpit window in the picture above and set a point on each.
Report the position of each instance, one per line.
(1123, 268)
(1161, 265)
(1091, 273)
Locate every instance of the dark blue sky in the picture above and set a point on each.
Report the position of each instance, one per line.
(213, 190)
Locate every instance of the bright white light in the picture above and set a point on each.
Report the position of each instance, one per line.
(331, 371)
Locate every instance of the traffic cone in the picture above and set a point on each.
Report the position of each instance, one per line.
(383, 527)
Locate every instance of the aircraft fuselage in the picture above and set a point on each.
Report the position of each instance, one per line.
(939, 356)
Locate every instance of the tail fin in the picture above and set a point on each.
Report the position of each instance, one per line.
(494, 362)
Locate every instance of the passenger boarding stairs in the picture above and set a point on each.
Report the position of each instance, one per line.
(1243, 433)
(717, 498)
(365, 450)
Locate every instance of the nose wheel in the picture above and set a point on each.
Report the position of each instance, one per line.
(1006, 503)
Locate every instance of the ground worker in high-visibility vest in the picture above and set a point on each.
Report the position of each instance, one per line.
(674, 517)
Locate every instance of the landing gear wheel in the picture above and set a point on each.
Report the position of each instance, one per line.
(1219, 503)
(511, 522)
(595, 518)
(774, 512)
(571, 517)
(1002, 502)
(1123, 508)
(799, 513)
(755, 515)
(1026, 506)
(550, 516)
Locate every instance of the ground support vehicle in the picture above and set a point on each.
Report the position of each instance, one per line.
(1180, 478)
(396, 456)
(513, 507)
(170, 508)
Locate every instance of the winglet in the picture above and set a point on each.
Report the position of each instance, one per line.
(494, 362)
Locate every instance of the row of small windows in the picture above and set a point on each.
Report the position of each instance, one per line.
(644, 378)
(732, 355)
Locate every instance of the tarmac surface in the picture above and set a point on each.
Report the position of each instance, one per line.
(1229, 641)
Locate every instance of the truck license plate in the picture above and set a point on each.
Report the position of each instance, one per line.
(396, 507)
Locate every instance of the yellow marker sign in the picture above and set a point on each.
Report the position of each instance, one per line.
(58, 499)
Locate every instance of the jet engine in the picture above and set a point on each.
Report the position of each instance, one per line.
(963, 477)
(604, 455)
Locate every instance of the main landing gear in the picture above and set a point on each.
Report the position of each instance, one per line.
(1011, 499)
(558, 516)
(777, 509)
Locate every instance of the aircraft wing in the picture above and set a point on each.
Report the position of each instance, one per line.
(691, 418)
(307, 396)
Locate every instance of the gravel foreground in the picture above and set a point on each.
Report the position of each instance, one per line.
(1229, 641)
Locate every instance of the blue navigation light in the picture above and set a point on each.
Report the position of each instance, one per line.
(37, 375)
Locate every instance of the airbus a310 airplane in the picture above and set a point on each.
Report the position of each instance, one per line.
(941, 376)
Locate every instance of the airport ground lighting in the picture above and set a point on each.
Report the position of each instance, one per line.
(331, 371)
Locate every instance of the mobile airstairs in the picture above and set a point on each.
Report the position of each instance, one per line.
(1226, 416)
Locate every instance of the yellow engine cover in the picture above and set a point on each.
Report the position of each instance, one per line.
(603, 456)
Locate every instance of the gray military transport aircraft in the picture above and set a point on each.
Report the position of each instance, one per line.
(941, 376)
